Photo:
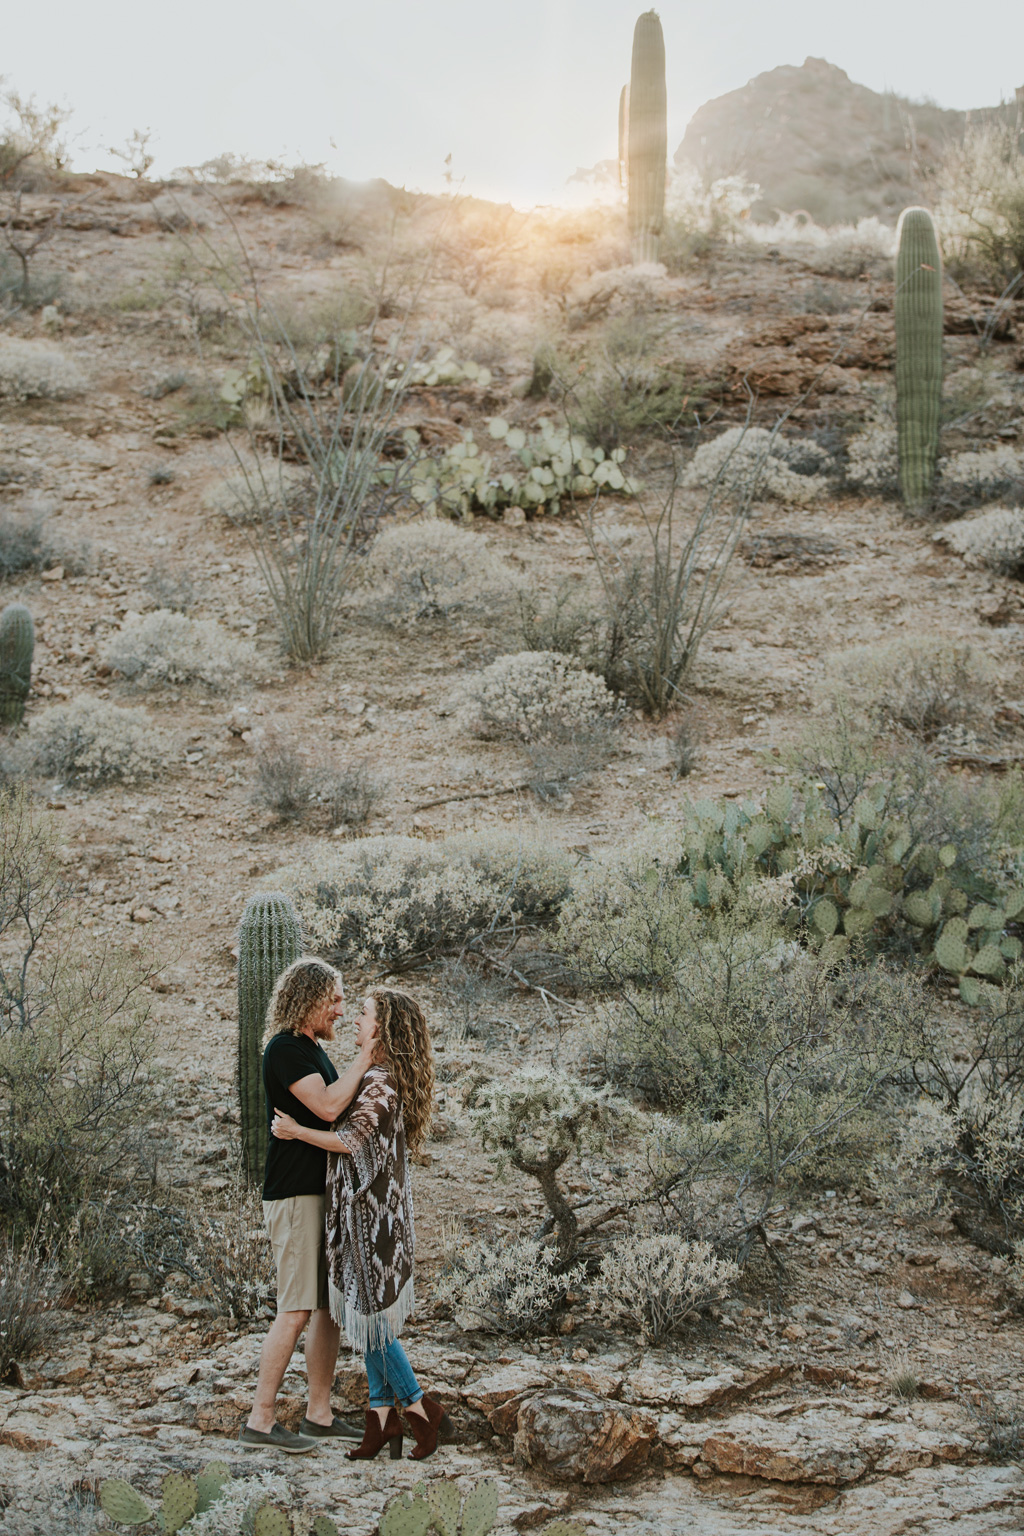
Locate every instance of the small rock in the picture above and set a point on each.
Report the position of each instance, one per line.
(906, 1301)
(143, 915)
(794, 1331)
(55, 573)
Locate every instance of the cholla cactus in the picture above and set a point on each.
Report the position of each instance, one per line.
(17, 643)
(647, 146)
(535, 1124)
(917, 307)
(269, 939)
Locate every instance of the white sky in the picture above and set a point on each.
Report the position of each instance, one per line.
(520, 96)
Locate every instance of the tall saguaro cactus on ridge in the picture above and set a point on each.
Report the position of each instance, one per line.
(17, 644)
(647, 138)
(917, 307)
(623, 134)
(269, 939)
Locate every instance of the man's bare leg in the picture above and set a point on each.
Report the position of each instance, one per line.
(322, 1342)
(275, 1357)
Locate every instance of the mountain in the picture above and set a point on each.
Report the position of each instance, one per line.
(812, 139)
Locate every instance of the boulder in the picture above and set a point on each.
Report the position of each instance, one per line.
(577, 1437)
(487, 1393)
(665, 1389)
(823, 1445)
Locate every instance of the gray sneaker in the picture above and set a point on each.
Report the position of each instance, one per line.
(279, 1439)
(336, 1430)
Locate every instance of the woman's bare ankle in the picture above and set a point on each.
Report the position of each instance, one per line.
(416, 1407)
(382, 1414)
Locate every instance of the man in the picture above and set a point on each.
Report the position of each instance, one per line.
(300, 1079)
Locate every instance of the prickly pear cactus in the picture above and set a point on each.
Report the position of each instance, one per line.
(179, 1499)
(210, 1484)
(647, 138)
(480, 1510)
(917, 307)
(444, 1501)
(405, 1516)
(564, 1528)
(269, 939)
(17, 643)
(120, 1501)
(322, 1526)
(272, 1520)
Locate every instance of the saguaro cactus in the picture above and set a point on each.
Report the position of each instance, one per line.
(17, 642)
(623, 134)
(918, 314)
(647, 138)
(269, 939)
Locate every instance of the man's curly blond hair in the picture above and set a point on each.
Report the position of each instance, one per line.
(307, 984)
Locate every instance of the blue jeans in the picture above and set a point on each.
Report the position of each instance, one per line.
(390, 1375)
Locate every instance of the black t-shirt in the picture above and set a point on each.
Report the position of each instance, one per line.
(294, 1167)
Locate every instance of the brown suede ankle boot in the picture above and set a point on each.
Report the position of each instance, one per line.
(377, 1435)
(425, 1431)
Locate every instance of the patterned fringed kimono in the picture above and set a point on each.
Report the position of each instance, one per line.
(370, 1234)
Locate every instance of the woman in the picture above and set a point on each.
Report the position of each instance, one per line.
(370, 1235)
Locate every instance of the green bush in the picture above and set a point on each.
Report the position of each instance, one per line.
(75, 1045)
(886, 873)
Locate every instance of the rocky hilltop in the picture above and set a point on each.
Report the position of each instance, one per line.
(813, 139)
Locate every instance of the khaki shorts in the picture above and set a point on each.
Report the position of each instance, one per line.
(296, 1230)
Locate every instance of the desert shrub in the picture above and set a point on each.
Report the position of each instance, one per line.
(170, 588)
(980, 207)
(842, 250)
(399, 900)
(755, 462)
(284, 781)
(94, 742)
(512, 1287)
(258, 488)
(290, 786)
(30, 1289)
(349, 793)
(75, 1044)
(531, 695)
(231, 1253)
(654, 1284)
(918, 683)
(623, 387)
(994, 539)
(871, 460)
(24, 544)
(37, 370)
(566, 756)
(167, 647)
(987, 474)
(429, 567)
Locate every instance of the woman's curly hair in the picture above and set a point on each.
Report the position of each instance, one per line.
(405, 1046)
(307, 983)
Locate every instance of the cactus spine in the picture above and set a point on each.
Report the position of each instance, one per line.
(269, 939)
(17, 642)
(647, 138)
(918, 313)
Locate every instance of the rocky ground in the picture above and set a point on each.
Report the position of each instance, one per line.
(781, 1414)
